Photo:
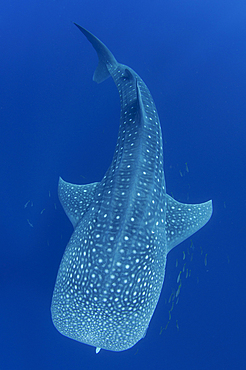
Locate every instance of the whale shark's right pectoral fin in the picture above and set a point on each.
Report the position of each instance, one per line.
(105, 57)
(183, 220)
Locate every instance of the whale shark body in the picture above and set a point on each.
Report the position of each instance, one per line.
(111, 274)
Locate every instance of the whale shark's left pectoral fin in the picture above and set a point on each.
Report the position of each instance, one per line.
(75, 199)
(183, 220)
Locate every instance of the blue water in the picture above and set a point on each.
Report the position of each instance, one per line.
(55, 121)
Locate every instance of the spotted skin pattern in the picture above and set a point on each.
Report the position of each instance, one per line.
(111, 274)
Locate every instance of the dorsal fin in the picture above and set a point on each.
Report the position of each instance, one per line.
(75, 199)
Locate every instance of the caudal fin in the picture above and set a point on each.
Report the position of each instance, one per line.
(105, 57)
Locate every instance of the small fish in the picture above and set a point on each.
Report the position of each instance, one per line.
(29, 223)
(27, 203)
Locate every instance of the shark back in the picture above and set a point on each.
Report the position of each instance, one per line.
(113, 269)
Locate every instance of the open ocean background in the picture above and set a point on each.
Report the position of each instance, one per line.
(55, 121)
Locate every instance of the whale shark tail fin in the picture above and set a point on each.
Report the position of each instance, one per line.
(105, 57)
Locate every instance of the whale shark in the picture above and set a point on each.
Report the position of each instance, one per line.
(113, 268)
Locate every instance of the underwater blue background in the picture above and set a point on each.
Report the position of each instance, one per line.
(55, 121)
